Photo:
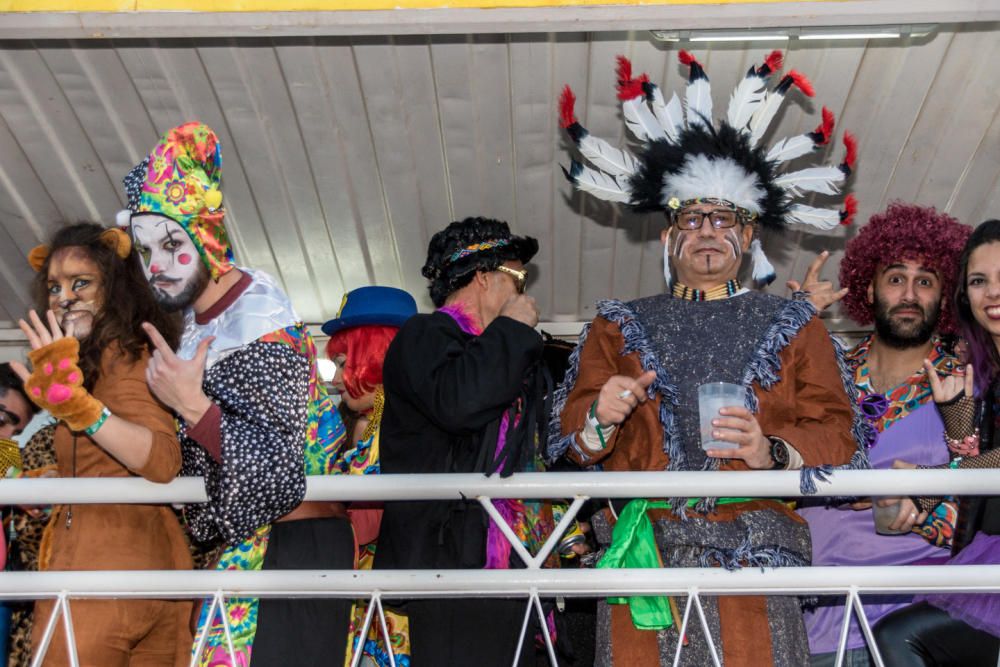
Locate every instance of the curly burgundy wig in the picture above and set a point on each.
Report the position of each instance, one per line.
(903, 232)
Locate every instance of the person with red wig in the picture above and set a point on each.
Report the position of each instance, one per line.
(360, 334)
(955, 629)
(897, 273)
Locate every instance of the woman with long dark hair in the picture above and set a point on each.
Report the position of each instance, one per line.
(89, 357)
(963, 629)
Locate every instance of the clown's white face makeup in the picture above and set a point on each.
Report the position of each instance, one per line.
(706, 257)
(75, 290)
(169, 259)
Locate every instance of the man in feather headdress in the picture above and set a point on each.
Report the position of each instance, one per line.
(630, 399)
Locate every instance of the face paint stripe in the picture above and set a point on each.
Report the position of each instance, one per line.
(734, 242)
(681, 244)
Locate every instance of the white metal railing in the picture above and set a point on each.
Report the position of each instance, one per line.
(532, 583)
(772, 484)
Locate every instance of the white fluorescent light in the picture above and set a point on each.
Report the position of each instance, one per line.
(851, 35)
(751, 37)
(785, 34)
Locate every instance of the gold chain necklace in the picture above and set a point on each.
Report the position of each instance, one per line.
(376, 415)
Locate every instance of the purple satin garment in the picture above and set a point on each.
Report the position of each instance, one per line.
(842, 536)
(980, 610)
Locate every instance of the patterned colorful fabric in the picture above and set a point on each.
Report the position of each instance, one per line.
(182, 183)
(374, 649)
(241, 613)
(325, 435)
(325, 439)
(397, 623)
(939, 527)
(883, 410)
(477, 247)
(904, 398)
(537, 522)
(363, 458)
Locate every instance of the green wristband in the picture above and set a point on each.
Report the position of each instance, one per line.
(597, 424)
(95, 427)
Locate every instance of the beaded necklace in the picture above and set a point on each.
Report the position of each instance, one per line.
(724, 291)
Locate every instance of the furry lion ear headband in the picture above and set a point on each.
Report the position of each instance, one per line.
(115, 239)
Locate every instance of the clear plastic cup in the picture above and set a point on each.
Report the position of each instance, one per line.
(885, 515)
(712, 397)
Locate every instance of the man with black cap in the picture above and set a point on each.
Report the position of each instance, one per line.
(461, 397)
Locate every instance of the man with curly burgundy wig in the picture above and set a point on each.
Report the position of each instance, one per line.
(898, 273)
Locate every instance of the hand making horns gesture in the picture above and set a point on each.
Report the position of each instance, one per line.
(821, 292)
(945, 389)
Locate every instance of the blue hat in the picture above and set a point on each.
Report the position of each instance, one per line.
(388, 306)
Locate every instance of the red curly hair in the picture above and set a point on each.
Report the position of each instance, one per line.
(903, 232)
(364, 348)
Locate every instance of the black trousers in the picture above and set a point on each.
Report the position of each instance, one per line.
(305, 632)
(479, 632)
(922, 635)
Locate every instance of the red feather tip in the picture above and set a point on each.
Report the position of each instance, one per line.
(825, 129)
(624, 69)
(851, 144)
(566, 102)
(686, 57)
(803, 84)
(775, 60)
(631, 89)
(850, 209)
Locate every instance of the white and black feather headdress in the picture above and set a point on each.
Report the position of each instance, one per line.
(684, 156)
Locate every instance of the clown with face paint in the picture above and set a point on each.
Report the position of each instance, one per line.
(630, 399)
(170, 260)
(254, 418)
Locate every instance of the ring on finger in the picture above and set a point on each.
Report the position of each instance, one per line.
(625, 394)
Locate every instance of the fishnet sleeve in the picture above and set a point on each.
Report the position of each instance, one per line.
(990, 459)
(959, 416)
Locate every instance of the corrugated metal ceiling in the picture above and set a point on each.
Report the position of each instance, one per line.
(343, 155)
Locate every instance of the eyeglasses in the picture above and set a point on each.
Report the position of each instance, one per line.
(520, 277)
(8, 418)
(721, 218)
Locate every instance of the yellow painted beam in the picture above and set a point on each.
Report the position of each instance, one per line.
(24, 6)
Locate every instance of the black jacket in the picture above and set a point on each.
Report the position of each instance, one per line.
(446, 392)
